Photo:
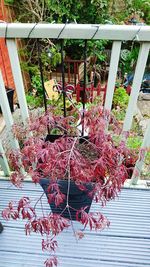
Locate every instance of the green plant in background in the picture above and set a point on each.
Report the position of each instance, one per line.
(120, 102)
(34, 101)
(120, 98)
(135, 142)
(50, 57)
(75, 49)
(141, 7)
(37, 84)
(128, 59)
(9, 2)
(119, 114)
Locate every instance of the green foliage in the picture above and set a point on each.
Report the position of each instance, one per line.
(95, 49)
(55, 57)
(128, 59)
(140, 7)
(82, 11)
(136, 128)
(119, 114)
(134, 141)
(34, 101)
(9, 2)
(36, 84)
(29, 67)
(50, 56)
(120, 98)
(120, 102)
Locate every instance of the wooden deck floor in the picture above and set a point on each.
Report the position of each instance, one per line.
(125, 244)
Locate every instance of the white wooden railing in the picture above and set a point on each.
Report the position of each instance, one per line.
(116, 33)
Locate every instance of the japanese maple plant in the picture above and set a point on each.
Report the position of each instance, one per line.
(94, 159)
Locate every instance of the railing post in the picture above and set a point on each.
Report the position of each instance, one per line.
(137, 80)
(16, 70)
(6, 112)
(140, 162)
(112, 73)
(3, 161)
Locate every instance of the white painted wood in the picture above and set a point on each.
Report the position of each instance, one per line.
(16, 70)
(112, 73)
(3, 161)
(137, 80)
(75, 31)
(6, 112)
(140, 163)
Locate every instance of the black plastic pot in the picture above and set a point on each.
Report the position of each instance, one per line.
(10, 95)
(77, 199)
(1, 227)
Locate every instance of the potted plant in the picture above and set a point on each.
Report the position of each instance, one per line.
(69, 165)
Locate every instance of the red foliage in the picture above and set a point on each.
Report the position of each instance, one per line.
(24, 209)
(95, 220)
(17, 178)
(10, 212)
(50, 224)
(51, 262)
(98, 160)
(49, 245)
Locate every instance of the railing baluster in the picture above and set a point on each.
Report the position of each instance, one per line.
(137, 80)
(6, 112)
(16, 70)
(112, 73)
(3, 161)
(140, 162)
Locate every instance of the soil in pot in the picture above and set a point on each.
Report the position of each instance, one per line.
(77, 198)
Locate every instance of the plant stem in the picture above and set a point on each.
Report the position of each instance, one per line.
(63, 77)
(84, 85)
(39, 199)
(68, 169)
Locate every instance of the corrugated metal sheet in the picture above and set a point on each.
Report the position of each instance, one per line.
(125, 244)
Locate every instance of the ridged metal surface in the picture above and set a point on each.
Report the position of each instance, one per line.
(125, 244)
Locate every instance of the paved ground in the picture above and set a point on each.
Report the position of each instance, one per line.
(125, 244)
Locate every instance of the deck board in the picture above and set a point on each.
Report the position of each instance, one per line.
(125, 244)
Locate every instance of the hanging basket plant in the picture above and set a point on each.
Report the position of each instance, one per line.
(74, 167)
(92, 167)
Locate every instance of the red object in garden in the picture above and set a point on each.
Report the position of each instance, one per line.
(89, 92)
(128, 89)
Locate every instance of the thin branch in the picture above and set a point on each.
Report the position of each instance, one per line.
(39, 199)
(68, 170)
(42, 207)
(31, 9)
